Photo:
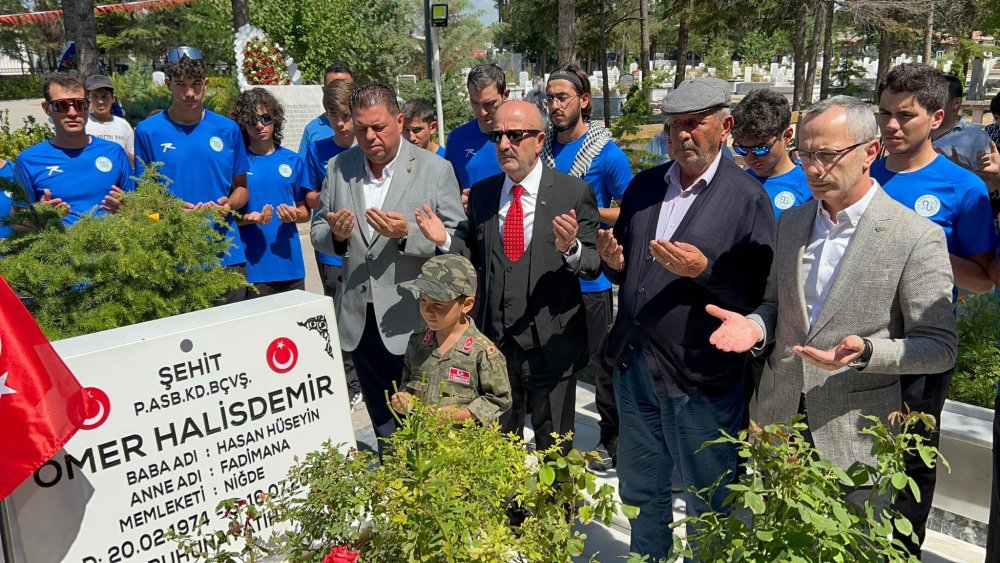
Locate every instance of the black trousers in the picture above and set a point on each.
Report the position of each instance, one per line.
(273, 288)
(379, 372)
(922, 393)
(552, 400)
(993, 535)
(600, 316)
(238, 294)
(330, 277)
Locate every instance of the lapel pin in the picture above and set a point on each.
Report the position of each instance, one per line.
(879, 229)
(409, 169)
(542, 202)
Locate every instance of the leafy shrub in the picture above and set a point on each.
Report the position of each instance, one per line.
(454, 104)
(444, 493)
(790, 505)
(152, 259)
(24, 87)
(978, 365)
(13, 142)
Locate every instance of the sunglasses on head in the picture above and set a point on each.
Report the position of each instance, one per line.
(513, 135)
(177, 53)
(759, 150)
(63, 106)
(264, 118)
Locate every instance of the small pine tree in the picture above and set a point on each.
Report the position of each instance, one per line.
(152, 259)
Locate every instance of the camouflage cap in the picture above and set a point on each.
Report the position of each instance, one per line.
(445, 277)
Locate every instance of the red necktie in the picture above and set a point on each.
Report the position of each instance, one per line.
(513, 227)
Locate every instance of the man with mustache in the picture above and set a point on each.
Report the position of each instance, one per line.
(911, 107)
(693, 232)
(576, 146)
(531, 233)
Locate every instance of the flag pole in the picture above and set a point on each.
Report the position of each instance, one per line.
(12, 549)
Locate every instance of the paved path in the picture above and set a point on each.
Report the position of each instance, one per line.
(18, 110)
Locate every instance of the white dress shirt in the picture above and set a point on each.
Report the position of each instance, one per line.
(825, 250)
(677, 200)
(376, 188)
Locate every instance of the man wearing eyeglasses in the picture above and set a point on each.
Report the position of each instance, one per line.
(692, 232)
(468, 150)
(74, 172)
(911, 107)
(762, 133)
(858, 296)
(531, 231)
(202, 152)
(585, 150)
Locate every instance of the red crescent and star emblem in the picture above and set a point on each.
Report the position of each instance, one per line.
(282, 355)
(99, 408)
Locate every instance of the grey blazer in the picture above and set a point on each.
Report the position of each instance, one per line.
(376, 265)
(893, 288)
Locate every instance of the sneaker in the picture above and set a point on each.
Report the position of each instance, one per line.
(355, 401)
(605, 460)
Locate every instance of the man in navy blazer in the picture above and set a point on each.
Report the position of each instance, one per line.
(692, 232)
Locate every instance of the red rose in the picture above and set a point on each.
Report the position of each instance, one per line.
(341, 555)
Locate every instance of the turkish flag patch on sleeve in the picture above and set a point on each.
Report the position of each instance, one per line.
(459, 376)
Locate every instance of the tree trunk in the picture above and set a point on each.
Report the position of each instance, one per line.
(885, 48)
(86, 38)
(567, 31)
(824, 78)
(241, 14)
(70, 19)
(812, 55)
(682, 48)
(602, 53)
(929, 35)
(644, 54)
(799, 52)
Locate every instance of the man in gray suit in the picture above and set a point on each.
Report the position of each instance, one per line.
(859, 293)
(382, 180)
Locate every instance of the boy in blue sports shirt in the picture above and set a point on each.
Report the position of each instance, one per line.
(322, 127)
(469, 151)
(203, 155)
(761, 134)
(420, 125)
(911, 101)
(277, 181)
(75, 172)
(6, 203)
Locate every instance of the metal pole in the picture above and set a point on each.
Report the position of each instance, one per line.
(8, 533)
(428, 55)
(437, 88)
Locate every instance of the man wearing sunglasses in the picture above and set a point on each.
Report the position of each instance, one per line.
(576, 146)
(693, 232)
(911, 107)
(203, 154)
(531, 231)
(75, 172)
(761, 134)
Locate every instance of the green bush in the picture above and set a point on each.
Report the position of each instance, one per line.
(457, 110)
(790, 505)
(978, 366)
(24, 87)
(12, 142)
(152, 259)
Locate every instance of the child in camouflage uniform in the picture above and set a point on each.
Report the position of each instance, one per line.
(450, 365)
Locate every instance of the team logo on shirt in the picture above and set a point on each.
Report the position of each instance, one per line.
(53, 169)
(103, 164)
(469, 153)
(168, 146)
(216, 144)
(285, 170)
(927, 205)
(784, 200)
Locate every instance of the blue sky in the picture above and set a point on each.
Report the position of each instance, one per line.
(489, 10)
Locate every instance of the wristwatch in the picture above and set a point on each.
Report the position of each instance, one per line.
(865, 357)
(572, 249)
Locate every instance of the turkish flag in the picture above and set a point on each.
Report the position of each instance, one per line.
(41, 403)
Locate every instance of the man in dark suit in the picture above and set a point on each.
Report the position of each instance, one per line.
(531, 232)
(692, 232)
